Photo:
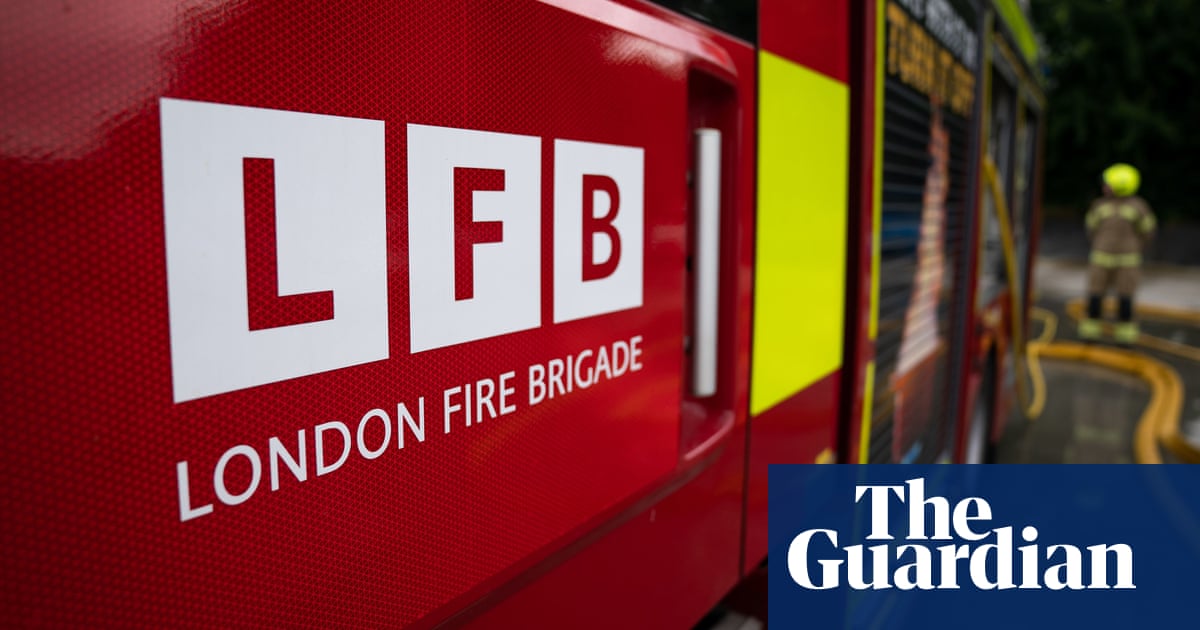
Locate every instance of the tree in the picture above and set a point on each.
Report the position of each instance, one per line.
(1124, 86)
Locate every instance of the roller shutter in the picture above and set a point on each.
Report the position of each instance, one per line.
(929, 70)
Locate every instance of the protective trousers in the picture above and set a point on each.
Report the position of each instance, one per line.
(1104, 275)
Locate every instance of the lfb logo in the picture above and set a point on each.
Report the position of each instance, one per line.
(277, 252)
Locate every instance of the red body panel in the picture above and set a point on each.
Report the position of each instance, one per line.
(811, 33)
(663, 567)
(94, 438)
(793, 432)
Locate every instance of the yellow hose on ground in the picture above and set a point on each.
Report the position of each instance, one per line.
(1163, 427)
(1159, 423)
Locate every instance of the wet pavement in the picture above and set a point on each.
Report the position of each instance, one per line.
(1091, 412)
(1090, 416)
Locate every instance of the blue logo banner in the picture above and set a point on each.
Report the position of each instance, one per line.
(1067, 546)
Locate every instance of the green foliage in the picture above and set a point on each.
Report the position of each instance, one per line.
(1124, 79)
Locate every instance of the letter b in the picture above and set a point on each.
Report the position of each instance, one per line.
(598, 228)
(594, 226)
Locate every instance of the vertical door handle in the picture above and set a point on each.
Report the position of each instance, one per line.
(707, 187)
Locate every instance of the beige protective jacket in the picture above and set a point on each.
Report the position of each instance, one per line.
(1119, 227)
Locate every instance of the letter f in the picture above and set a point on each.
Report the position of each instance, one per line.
(467, 231)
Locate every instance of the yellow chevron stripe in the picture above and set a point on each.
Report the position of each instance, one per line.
(800, 264)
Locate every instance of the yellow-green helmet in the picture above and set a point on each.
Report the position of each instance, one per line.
(1122, 179)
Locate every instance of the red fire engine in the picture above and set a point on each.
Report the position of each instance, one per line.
(485, 313)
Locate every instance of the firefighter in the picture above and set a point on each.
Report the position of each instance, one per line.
(1119, 224)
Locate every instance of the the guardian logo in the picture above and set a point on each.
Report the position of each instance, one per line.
(956, 549)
